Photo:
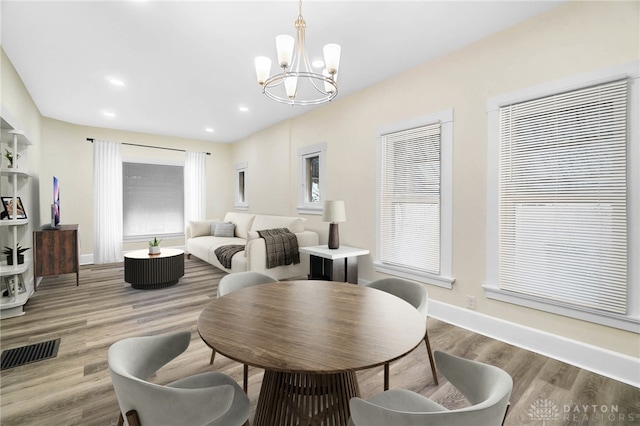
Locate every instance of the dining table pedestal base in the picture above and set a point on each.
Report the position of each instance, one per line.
(305, 399)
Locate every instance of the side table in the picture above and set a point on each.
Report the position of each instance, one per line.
(339, 264)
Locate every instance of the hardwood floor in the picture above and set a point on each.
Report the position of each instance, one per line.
(75, 387)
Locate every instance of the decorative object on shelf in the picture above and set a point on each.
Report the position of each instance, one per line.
(10, 157)
(7, 203)
(334, 212)
(10, 285)
(298, 84)
(9, 252)
(154, 246)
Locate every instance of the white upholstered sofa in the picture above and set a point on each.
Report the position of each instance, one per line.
(202, 242)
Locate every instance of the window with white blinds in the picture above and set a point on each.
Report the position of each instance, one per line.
(153, 200)
(410, 199)
(563, 197)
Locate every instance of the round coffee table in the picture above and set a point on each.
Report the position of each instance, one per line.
(146, 271)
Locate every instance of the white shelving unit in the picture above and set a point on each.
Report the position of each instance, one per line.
(17, 284)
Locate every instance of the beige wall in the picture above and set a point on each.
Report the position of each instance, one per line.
(70, 158)
(18, 108)
(16, 100)
(21, 113)
(574, 38)
(269, 171)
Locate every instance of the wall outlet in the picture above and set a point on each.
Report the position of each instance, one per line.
(471, 302)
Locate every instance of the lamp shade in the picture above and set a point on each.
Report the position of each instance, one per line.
(284, 48)
(334, 212)
(291, 86)
(332, 57)
(263, 68)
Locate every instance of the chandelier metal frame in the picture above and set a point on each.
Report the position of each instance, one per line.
(300, 70)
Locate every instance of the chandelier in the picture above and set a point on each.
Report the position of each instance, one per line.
(298, 84)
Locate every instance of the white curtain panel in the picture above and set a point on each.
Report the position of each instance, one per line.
(107, 202)
(195, 186)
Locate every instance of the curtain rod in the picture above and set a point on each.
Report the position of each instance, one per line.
(150, 146)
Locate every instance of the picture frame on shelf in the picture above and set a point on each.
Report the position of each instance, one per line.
(7, 204)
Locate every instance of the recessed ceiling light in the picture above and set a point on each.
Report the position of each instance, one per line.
(243, 109)
(208, 129)
(317, 63)
(109, 114)
(115, 81)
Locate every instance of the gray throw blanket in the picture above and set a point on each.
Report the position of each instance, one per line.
(225, 253)
(282, 247)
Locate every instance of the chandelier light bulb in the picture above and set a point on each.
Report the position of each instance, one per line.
(291, 85)
(263, 68)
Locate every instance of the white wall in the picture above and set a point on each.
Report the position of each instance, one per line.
(572, 39)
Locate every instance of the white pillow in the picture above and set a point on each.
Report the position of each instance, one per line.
(200, 228)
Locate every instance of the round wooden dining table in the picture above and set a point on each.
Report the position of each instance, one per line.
(310, 337)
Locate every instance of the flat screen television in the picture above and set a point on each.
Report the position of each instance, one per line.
(55, 207)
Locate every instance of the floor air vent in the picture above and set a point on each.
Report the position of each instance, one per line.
(28, 354)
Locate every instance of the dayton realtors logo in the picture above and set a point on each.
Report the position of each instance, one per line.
(546, 410)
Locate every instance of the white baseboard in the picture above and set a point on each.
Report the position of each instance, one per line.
(608, 363)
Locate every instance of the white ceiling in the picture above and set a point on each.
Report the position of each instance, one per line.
(188, 65)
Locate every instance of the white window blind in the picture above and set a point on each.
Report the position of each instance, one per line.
(153, 200)
(562, 197)
(410, 199)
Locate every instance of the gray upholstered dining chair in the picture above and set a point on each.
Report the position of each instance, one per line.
(202, 399)
(416, 295)
(236, 281)
(487, 388)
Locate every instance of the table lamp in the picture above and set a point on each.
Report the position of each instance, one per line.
(334, 212)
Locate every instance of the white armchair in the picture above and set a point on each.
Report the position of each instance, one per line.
(202, 399)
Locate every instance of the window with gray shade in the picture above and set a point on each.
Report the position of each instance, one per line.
(152, 200)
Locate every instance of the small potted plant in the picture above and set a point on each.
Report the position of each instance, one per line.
(154, 246)
(9, 252)
(10, 157)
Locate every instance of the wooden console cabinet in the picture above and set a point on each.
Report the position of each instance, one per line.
(57, 252)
